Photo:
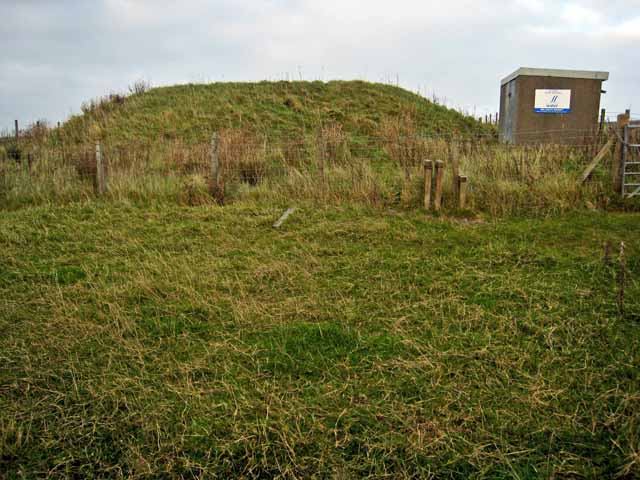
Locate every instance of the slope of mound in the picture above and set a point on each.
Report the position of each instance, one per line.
(191, 112)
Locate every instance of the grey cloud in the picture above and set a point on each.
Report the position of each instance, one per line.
(58, 54)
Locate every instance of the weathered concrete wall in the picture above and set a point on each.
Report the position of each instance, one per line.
(520, 124)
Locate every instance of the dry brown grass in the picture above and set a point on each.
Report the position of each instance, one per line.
(243, 156)
(403, 143)
(332, 145)
(327, 166)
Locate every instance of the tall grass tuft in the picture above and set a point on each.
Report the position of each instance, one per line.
(402, 142)
(546, 179)
(243, 156)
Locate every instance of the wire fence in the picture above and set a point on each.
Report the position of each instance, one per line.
(329, 165)
(237, 146)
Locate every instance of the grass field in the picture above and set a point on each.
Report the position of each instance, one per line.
(176, 341)
(149, 332)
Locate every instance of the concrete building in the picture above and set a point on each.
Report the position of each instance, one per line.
(549, 106)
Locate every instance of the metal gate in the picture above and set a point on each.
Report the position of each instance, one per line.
(631, 161)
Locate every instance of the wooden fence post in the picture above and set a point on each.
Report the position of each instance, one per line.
(428, 177)
(616, 165)
(101, 174)
(321, 145)
(17, 131)
(462, 191)
(437, 201)
(215, 188)
(455, 165)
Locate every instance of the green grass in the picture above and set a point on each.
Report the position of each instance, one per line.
(200, 342)
(277, 109)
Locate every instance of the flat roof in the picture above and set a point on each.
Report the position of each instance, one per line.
(548, 72)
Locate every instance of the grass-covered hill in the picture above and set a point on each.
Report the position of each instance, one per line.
(191, 112)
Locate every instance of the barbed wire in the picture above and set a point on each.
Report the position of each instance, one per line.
(246, 144)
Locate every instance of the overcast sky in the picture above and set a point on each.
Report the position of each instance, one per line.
(58, 53)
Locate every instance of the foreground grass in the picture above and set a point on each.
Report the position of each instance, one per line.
(352, 343)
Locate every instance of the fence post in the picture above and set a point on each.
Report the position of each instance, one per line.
(616, 167)
(17, 131)
(437, 201)
(455, 165)
(321, 155)
(428, 176)
(215, 187)
(215, 162)
(101, 176)
(462, 191)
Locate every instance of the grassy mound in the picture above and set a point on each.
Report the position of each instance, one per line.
(192, 112)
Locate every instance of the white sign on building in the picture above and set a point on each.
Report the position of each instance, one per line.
(553, 101)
